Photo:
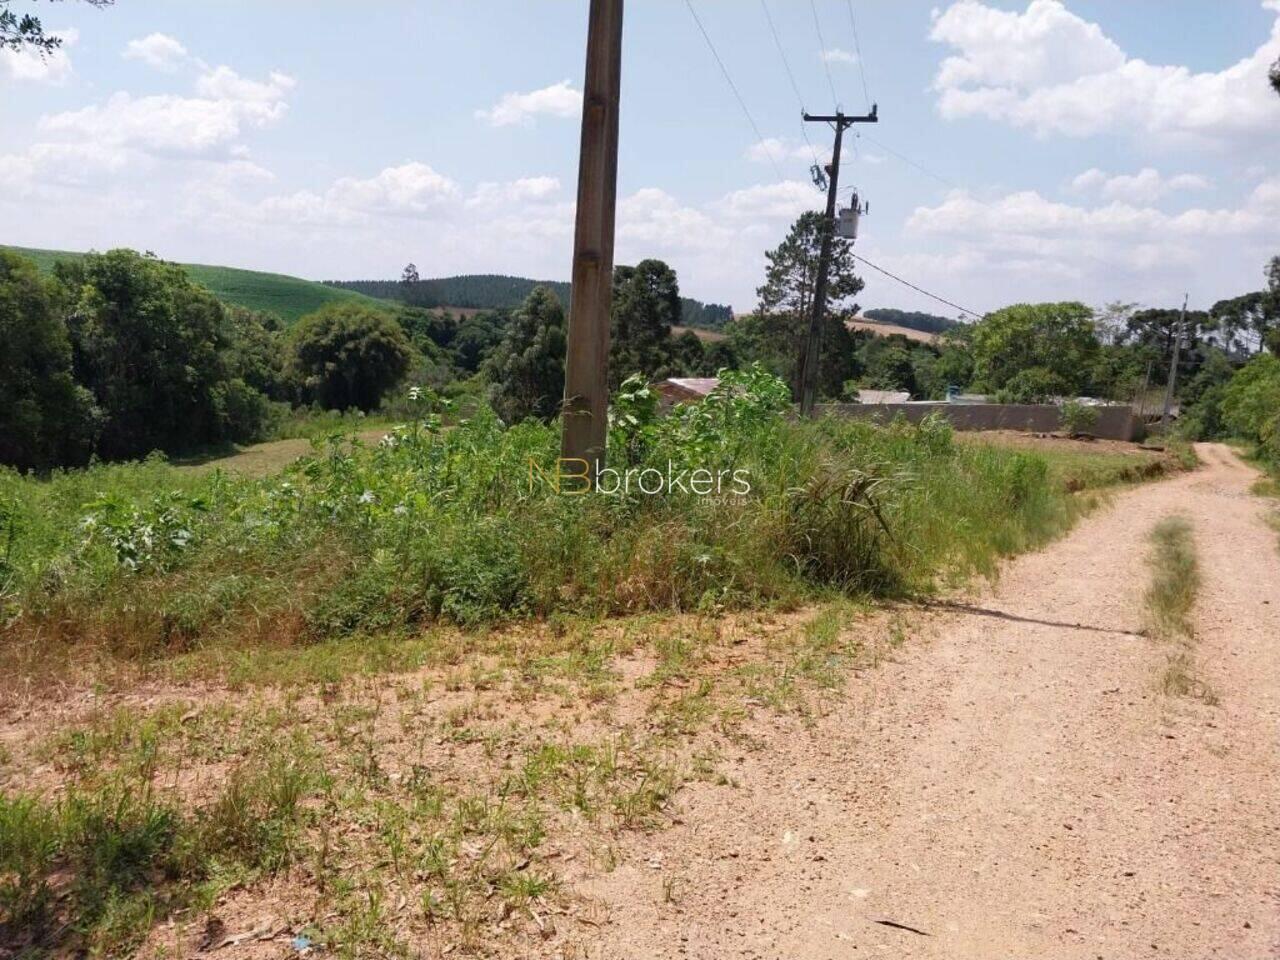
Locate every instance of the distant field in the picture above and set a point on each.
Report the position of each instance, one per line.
(289, 297)
(887, 329)
(706, 336)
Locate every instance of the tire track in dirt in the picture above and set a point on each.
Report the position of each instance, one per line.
(1014, 786)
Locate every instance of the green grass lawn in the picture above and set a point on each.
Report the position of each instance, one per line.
(289, 297)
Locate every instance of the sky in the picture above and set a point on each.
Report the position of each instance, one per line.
(1027, 150)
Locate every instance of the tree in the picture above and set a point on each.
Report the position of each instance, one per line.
(527, 369)
(688, 355)
(954, 366)
(1275, 76)
(347, 356)
(720, 355)
(476, 338)
(255, 353)
(777, 332)
(1251, 401)
(1056, 339)
(46, 419)
(646, 304)
(151, 346)
(886, 363)
(410, 275)
(1158, 329)
(26, 31)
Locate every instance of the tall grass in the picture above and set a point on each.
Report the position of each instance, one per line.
(1175, 581)
(446, 525)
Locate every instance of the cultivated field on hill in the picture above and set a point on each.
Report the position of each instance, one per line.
(288, 297)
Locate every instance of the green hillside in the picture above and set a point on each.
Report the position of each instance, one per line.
(487, 291)
(289, 297)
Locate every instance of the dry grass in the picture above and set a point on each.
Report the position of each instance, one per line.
(447, 803)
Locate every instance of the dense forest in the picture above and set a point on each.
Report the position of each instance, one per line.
(497, 292)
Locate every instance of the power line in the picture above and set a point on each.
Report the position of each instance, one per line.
(908, 283)
(907, 160)
(734, 87)
(826, 64)
(777, 40)
(796, 89)
(857, 52)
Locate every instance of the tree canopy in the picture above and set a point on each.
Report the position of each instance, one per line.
(347, 356)
(776, 333)
(1057, 340)
(526, 371)
(646, 304)
(46, 418)
(26, 31)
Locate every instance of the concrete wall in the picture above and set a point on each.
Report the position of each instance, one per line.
(1114, 422)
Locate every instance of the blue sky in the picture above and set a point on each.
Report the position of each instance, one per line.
(1074, 150)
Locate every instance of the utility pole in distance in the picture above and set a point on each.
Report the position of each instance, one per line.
(1173, 368)
(813, 346)
(586, 385)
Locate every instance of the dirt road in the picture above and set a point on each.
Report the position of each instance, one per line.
(1015, 785)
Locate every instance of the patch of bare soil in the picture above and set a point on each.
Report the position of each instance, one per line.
(1016, 787)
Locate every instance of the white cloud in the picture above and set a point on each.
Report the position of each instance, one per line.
(653, 219)
(170, 124)
(34, 66)
(1023, 245)
(224, 84)
(836, 55)
(1056, 73)
(157, 50)
(771, 201)
(772, 149)
(558, 100)
(1145, 186)
(514, 192)
(410, 189)
(1026, 216)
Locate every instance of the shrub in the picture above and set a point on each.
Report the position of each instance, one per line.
(1078, 418)
(455, 525)
(244, 414)
(347, 356)
(1252, 397)
(1033, 385)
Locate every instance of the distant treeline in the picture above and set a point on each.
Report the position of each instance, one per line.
(911, 319)
(494, 292)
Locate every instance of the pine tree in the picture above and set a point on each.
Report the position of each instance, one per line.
(526, 371)
(777, 332)
(646, 304)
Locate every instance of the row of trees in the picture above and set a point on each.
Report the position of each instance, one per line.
(119, 354)
(526, 370)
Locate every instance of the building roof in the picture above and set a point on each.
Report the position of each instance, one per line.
(883, 396)
(699, 385)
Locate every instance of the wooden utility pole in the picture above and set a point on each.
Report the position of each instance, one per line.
(1173, 368)
(586, 385)
(813, 345)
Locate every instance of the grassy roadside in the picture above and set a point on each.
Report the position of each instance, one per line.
(1175, 580)
(315, 742)
(1269, 487)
